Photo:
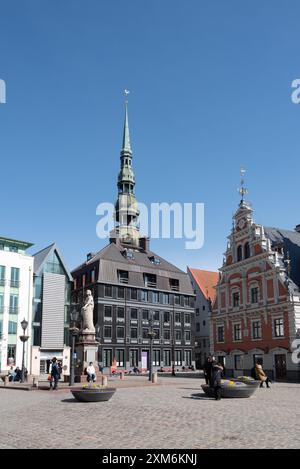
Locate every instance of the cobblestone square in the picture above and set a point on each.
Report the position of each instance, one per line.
(174, 414)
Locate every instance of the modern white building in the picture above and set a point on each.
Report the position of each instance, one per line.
(16, 275)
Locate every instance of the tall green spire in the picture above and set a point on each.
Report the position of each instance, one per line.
(126, 148)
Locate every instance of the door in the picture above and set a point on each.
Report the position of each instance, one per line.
(280, 366)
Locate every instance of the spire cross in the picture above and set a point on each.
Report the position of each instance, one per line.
(126, 93)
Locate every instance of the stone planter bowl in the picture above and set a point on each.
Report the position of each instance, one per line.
(93, 395)
(239, 390)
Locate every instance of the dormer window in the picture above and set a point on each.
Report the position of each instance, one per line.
(154, 260)
(128, 253)
(150, 280)
(174, 284)
(123, 276)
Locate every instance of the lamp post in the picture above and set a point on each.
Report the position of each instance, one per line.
(151, 335)
(24, 339)
(73, 332)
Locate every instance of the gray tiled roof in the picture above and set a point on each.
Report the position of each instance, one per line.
(291, 243)
(111, 259)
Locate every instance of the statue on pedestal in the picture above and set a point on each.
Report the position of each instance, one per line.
(87, 312)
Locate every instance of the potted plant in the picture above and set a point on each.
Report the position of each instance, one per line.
(92, 392)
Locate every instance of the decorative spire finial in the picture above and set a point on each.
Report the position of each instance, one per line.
(243, 190)
(126, 147)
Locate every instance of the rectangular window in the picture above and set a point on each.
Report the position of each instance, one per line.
(155, 297)
(108, 290)
(237, 331)
(11, 352)
(220, 333)
(155, 316)
(1, 303)
(134, 358)
(167, 334)
(166, 298)
(12, 327)
(120, 332)
(157, 334)
(177, 317)
(176, 299)
(144, 295)
(197, 312)
(150, 280)
(188, 357)
(174, 284)
(254, 295)
(187, 318)
(107, 332)
(2, 275)
(15, 277)
(186, 301)
(236, 299)
(278, 327)
(133, 332)
(197, 327)
(120, 357)
(120, 312)
(123, 276)
(256, 330)
(13, 304)
(177, 335)
(167, 357)
(145, 314)
(133, 293)
(121, 292)
(133, 313)
(156, 357)
(166, 316)
(187, 335)
(145, 333)
(107, 357)
(178, 357)
(108, 312)
(238, 362)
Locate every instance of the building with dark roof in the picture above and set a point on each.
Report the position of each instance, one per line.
(133, 288)
(256, 315)
(204, 284)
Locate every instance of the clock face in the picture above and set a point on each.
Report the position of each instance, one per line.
(241, 223)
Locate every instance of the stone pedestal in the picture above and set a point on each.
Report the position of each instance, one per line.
(86, 351)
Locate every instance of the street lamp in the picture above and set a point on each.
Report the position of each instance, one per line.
(74, 332)
(151, 335)
(23, 338)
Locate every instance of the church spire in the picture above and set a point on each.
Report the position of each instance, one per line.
(126, 148)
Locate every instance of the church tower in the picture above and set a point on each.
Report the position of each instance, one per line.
(127, 212)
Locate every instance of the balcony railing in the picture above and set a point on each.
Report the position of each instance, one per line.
(14, 283)
(150, 284)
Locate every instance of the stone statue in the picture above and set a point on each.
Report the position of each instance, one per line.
(87, 313)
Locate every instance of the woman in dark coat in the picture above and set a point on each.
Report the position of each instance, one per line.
(216, 376)
(207, 370)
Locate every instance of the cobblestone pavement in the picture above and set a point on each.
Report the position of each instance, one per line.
(174, 414)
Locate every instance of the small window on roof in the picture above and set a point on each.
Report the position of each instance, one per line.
(154, 260)
(128, 254)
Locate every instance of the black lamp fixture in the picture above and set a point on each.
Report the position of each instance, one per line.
(23, 338)
(74, 316)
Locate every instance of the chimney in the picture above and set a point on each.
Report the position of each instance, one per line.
(298, 228)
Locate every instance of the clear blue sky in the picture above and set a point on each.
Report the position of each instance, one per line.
(210, 90)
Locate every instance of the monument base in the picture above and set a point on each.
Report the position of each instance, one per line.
(87, 351)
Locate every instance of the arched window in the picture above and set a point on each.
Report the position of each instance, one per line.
(239, 253)
(246, 250)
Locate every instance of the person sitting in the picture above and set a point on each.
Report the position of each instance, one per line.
(11, 374)
(136, 370)
(18, 374)
(91, 373)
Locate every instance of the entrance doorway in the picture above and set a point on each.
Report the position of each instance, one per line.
(280, 366)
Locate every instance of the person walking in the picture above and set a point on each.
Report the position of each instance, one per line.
(207, 368)
(261, 375)
(216, 376)
(55, 374)
(91, 373)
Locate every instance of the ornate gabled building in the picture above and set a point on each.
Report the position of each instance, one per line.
(256, 315)
(132, 287)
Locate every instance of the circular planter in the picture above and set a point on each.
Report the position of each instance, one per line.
(236, 390)
(92, 395)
